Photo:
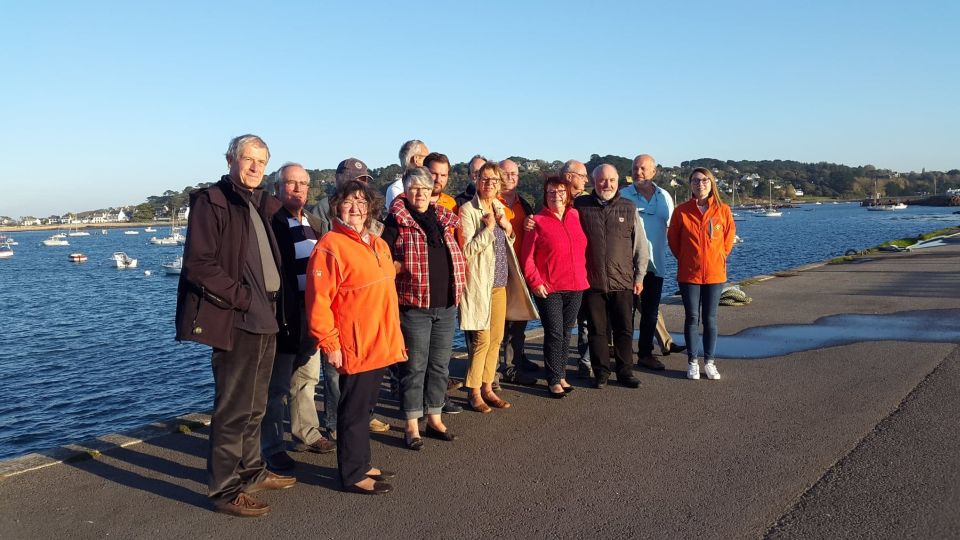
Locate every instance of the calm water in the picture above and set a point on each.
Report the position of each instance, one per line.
(87, 349)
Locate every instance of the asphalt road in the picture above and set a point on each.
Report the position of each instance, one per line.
(858, 440)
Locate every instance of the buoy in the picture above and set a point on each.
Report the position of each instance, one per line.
(146, 272)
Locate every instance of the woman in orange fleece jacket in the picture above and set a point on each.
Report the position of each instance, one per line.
(351, 303)
(701, 236)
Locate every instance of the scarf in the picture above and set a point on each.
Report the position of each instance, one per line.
(427, 220)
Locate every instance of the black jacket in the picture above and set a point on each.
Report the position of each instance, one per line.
(617, 251)
(212, 291)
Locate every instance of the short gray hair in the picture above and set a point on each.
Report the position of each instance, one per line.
(408, 150)
(237, 144)
(595, 173)
(286, 166)
(417, 176)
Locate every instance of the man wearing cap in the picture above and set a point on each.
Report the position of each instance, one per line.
(228, 298)
(412, 154)
(296, 368)
(654, 206)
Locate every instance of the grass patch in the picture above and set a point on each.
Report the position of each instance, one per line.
(940, 232)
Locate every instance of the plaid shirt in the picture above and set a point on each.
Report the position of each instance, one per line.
(413, 286)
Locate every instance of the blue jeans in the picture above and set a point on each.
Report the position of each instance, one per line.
(700, 302)
(428, 334)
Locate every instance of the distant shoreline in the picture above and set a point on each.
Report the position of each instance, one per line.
(129, 225)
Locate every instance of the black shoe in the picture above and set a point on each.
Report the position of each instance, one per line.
(583, 372)
(451, 408)
(518, 376)
(527, 365)
(439, 435)
(415, 443)
(379, 488)
(556, 395)
(281, 461)
(677, 348)
(567, 389)
(629, 380)
(384, 475)
(601, 380)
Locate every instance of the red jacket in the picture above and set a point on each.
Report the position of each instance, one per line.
(554, 253)
(351, 300)
(701, 242)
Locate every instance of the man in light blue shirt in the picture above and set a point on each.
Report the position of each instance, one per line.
(655, 206)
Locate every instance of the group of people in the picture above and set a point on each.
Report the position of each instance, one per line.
(283, 293)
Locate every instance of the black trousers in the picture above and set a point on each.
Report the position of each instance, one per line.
(647, 304)
(358, 396)
(558, 314)
(241, 378)
(609, 312)
(514, 341)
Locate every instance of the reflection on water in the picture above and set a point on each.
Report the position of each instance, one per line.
(937, 326)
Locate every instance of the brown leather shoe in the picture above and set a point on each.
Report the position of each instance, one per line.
(650, 362)
(496, 403)
(480, 406)
(272, 481)
(319, 446)
(242, 505)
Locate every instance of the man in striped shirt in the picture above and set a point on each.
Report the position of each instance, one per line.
(296, 369)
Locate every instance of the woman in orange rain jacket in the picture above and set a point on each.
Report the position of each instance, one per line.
(351, 304)
(701, 236)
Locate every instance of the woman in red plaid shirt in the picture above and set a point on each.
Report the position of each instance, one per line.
(431, 273)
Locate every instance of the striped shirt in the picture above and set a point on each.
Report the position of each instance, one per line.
(304, 240)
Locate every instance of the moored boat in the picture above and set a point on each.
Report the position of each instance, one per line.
(123, 260)
(77, 257)
(56, 240)
(173, 267)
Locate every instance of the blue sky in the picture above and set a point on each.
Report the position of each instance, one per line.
(105, 103)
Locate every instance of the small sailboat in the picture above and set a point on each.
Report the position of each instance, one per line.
(77, 232)
(173, 267)
(770, 212)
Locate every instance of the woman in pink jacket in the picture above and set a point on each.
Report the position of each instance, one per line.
(555, 267)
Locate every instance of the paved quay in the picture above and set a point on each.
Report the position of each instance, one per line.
(852, 440)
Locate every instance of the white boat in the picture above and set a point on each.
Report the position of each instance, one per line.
(173, 267)
(8, 241)
(56, 240)
(165, 241)
(737, 239)
(770, 211)
(123, 260)
(77, 257)
(77, 232)
(149, 229)
(131, 232)
(5, 251)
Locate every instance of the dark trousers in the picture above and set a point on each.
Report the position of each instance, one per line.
(241, 378)
(609, 312)
(514, 340)
(558, 314)
(647, 304)
(358, 395)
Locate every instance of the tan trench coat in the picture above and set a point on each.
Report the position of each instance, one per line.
(477, 244)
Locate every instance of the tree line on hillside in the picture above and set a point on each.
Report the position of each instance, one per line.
(751, 177)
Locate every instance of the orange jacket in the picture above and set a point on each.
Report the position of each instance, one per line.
(701, 242)
(351, 300)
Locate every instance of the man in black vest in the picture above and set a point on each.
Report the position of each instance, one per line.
(617, 256)
(296, 368)
(227, 298)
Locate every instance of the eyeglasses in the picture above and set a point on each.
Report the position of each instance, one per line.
(561, 192)
(701, 180)
(294, 183)
(489, 180)
(511, 175)
(356, 203)
(578, 175)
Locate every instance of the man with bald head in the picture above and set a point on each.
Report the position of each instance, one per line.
(576, 173)
(654, 206)
(516, 367)
(617, 256)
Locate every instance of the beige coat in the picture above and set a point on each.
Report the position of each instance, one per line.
(477, 243)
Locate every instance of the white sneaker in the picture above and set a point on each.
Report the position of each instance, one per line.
(711, 371)
(693, 370)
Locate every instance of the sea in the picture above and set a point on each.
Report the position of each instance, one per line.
(87, 349)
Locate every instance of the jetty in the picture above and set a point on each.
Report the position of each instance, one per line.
(833, 434)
